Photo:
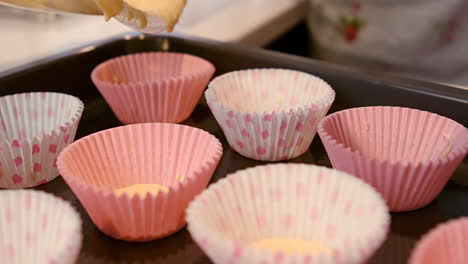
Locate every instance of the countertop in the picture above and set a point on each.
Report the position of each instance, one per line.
(30, 36)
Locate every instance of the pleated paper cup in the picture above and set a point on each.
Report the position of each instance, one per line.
(269, 114)
(153, 87)
(34, 128)
(36, 227)
(408, 155)
(178, 157)
(337, 211)
(444, 244)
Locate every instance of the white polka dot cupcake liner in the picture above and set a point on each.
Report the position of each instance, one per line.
(446, 243)
(408, 155)
(344, 218)
(36, 227)
(181, 159)
(153, 87)
(34, 128)
(269, 114)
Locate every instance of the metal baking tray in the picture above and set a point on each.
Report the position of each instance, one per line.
(69, 72)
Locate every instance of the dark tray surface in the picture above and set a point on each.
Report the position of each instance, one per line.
(69, 73)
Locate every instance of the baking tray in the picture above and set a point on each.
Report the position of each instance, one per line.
(69, 73)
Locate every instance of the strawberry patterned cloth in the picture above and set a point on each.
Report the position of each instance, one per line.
(426, 39)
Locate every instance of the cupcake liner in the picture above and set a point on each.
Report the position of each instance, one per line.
(295, 201)
(36, 227)
(98, 164)
(444, 244)
(269, 114)
(408, 155)
(34, 128)
(154, 86)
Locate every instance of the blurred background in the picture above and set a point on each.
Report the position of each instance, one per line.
(364, 34)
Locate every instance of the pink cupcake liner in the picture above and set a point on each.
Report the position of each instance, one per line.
(296, 201)
(140, 154)
(34, 128)
(408, 155)
(444, 244)
(36, 227)
(154, 86)
(269, 114)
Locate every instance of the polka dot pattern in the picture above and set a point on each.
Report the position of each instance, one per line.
(40, 228)
(36, 127)
(284, 200)
(269, 122)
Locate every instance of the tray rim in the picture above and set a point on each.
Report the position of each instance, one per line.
(431, 88)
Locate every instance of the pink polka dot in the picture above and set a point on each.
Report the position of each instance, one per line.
(347, 209)
(17, 179)
(45, 220)
(30, 239)
(308, 259)
(66, 138)
(229, 123)
(299, 141)
(314, 213)
(55, 163)
(337, 254)
(253, 190)
(299, 127)
(312, 121)
(279, 257)
(15, 143)
(321, 177)
(63, 128)
(16, 111)
(22, 135)
(9, 215)
(268, 117)
(261, 150)
(18, 161)
(239, 211)
(238, 250)
(248, 118)
(222, 225)
(265, 134)
(245, 133)
(37, 167)
(34, 115)
(300, 190)
(313, 108)
(53, 148)
(276, 194)
(11, 252)
(50, 112)
(331, 231)
(281, 142)
(36, 149)
(231, 114)
(288, 221)
(204, 242)
(284, 124)
(360, 211)
(260, 221)
(240, 144)
(334, 196)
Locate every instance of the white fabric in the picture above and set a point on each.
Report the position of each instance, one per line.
(421, 38)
